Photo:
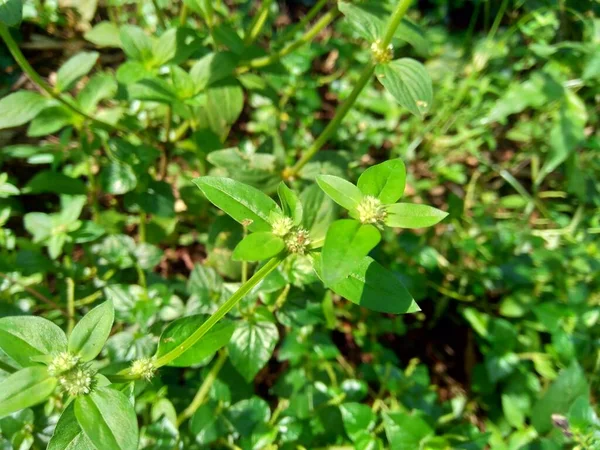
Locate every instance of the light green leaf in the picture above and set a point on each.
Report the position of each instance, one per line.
(252, 345)
(181, 329)
(372, 286)
(104, 34)
(101, 86)
(11, 12)
(357, 418)
(24, 337)
(68, 434)
(224, 104)
(25, 388)
(117, 178)
(346, 244)
(406, 432)
(386, 181)
(108, 419)
(258, 246)
(90, 334)
(341, 191)
(165, 47)
(409, 215)
(409, 83)
(242, 202)
(49, 121)
(20, 107)
(368, 19)
(152, 90)
(211, 68)
(290, 203)
(570, 384)
(136, 44)
(75, 68)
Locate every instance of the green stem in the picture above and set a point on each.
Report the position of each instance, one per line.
(159, 14)
(395, 20)
(306, 38)
(37, 79)
(258, 22)
(334, 124)
(183, 15)
(347, 105)
(202, 393)
(304, 21)
(221, 312)
(142, 227)
(70, 304)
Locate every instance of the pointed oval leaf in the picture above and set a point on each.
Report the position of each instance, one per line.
(386, 181)
(290, 203)
(374, 287)
(68, 434)
(20, 107)
(108, 419)
(135, 43)
(409, 83)
(26, 337)
(341, 191)
(252, 345)
(244, 203)
(409, 215)
(25, 388)
(11, 12)
(75, 68)
(181, 329)
(346, 244)
(258, 246)
(90, 334)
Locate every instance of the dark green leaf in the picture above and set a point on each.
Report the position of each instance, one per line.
(49, 121)
(117, 178)
(252, 345)
(258, 247)
(180, 329)
(55, 182)
(374, 287)
(244, 203)
(11, 12)
(409, 215)
(108, 419)
(68, 434)
(409, 83)
(90, 334)
(25, 388)
(346, 244)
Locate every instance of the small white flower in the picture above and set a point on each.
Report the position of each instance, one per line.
(382, 54)
(298, 241)
(62, 362)
(282, 226)
(143, 368)
(77, 381)
(371, 210)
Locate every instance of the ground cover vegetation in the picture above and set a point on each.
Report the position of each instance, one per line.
(299, 224)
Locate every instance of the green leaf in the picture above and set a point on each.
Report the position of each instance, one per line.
(357, 418)
(290, 203)
(165, 47)
(258, 246)
(319, 211)
(11, 12)
(68, 434)
(181, 329)
(252, 345)
(346, 244)
(136, 44)
(409, 215)
(104, 34)
(409, 83)
(206, 426)
(242, 202)
(90, 334)
(20, 107)
(374, 287)
(224, 104)
(369, 20)
(108, 419)
(75, 68)
(101, 86)
(341, 191)
(117, 178)
(386, 181)
(570, 384)
(211, 68)
(49, 121)
(405, 432)
(55, 182)
(25, 388)
(24, 337)
(152, 90)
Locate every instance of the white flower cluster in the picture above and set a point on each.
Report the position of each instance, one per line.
(77, 381)
(382, 54)
(62, 362)
(371, 210)
(143, 368)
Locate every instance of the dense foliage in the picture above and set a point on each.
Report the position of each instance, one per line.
(216, 228)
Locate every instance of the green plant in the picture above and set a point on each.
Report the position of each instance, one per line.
(226, 215)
